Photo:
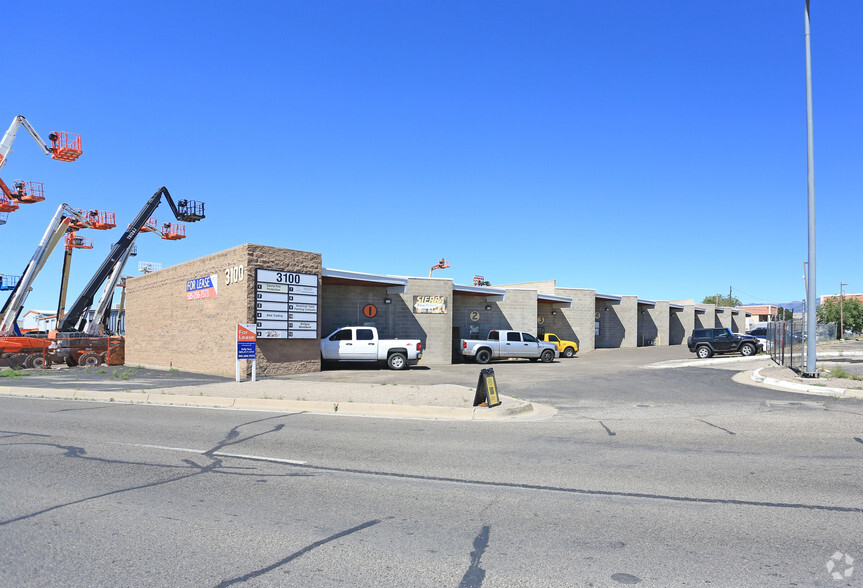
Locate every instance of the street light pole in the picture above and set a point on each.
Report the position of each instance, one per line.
(810, 155)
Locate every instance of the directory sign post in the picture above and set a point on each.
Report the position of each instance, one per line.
(286, 305)
(247, 342)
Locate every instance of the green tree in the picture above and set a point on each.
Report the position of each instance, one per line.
(853, 311)
(722, 300)
(784, 314)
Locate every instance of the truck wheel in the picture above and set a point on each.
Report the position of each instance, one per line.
(397, 361)
(17, 360)
(89, 359)
(747, 349)
(703, 351)
(71, 361)
(483, 356)
(28, 362)
(547, 356)
(41, 363)
(569, 352)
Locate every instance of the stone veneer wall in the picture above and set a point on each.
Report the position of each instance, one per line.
(165, 330)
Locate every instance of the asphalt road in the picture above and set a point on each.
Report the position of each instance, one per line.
(645, 477)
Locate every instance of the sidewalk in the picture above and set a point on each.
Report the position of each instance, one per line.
(437, 401)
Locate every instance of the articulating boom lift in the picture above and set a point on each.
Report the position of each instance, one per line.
(64, 147)
(80, 347)
(24, 350)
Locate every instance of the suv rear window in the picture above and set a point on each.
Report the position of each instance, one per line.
(702, 333)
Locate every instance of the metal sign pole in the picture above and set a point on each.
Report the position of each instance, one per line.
(811, 301)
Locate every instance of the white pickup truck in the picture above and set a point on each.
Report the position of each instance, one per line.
(362, 344)
(507, 344)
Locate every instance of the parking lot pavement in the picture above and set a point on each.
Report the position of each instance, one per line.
(352, 389)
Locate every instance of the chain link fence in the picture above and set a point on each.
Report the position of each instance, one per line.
(786, 341)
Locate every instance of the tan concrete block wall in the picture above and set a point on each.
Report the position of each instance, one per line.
(465, 328)
(708, 318)
(723, 318)
(681, 323)
(519, 309)
(435, 330)
(165, 330)
(577, 322)
(343, 307)
(284, 356)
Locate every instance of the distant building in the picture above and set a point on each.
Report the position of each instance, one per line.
(836, 296)
(761, 313)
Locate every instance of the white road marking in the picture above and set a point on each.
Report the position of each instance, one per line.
(217, 453)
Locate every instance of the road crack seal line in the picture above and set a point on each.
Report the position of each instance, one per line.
(586, 492)
(514, 485)
(607, 430)
(717, 427)
(296, 554)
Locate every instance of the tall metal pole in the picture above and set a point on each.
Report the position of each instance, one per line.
(842, 310)
(810, 153)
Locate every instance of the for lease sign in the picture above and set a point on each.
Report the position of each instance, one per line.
(206, 287)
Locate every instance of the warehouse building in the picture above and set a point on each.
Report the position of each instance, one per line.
(186, 316)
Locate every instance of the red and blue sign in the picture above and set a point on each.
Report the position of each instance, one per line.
(246, 341)
(199, 288)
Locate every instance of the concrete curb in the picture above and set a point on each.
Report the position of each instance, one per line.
(795, 387)
(511, 409)
(732, 358)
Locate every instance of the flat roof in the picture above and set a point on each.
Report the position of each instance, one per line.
(608, 297)
(342, 277)
(550, 298)
(476, 290)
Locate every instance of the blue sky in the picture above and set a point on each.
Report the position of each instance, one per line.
(656, 149)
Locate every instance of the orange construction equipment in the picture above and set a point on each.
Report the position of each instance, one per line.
(151, 226)
(442, 264)
(173, 231)
(28, 192)
(65, 146)
(7, 204)
(73, 241)
(100, 220)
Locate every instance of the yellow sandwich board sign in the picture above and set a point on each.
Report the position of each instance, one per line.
(486, 389)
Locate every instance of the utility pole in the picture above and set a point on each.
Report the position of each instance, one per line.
(810, 157)
(730, 297)
(841, 311)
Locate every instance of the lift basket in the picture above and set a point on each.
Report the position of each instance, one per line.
(65, 146)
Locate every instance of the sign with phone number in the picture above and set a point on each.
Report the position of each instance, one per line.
(206, 287)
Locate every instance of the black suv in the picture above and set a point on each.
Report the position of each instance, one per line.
(706, 342)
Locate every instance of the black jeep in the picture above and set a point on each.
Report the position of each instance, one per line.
(706, 342)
